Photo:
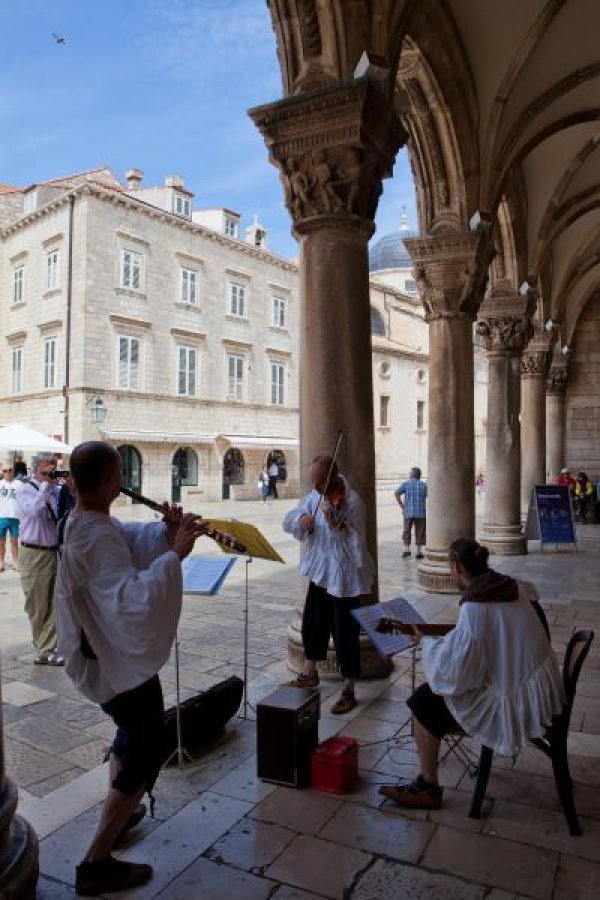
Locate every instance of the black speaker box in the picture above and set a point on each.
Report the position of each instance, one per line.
(287, 732)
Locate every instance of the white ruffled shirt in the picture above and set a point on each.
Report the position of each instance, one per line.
(336, 559)
(122, 585)
(497, 672)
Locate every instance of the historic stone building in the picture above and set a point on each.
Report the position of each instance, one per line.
(128, 315)
(499, 109)
(500, 122)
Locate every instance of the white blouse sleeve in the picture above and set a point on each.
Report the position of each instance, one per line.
(291, 522)
(145, 541)
(456, 663)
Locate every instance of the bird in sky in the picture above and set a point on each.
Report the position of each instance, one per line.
(58, 39)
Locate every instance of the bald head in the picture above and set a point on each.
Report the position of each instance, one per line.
(319, 470)
(96, 469)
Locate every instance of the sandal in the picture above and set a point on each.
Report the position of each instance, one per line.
(345, 704)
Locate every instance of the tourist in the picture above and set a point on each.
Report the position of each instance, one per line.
(118, 602)
(565, 478)
(494, 676)
(37, 501)
(412, 497)
(584, 492)
(273, 473)
(338, 566)
(263, 483)
(9, 515)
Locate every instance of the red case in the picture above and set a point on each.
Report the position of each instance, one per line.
(335, 765)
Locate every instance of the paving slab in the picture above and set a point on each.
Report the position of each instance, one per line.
(374, 831)
(20, 693)
(387, 879)
(492, 861)
(206, 880)
(302, 811)
(577, 879)
(251, 845)
(319, 866)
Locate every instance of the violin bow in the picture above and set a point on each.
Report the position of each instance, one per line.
(338, 444)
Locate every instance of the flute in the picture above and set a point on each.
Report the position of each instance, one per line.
(221, 537)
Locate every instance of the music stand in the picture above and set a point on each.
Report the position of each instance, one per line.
(256, 547)
(204, 576)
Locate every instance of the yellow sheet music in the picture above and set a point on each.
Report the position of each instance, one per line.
(254, 541)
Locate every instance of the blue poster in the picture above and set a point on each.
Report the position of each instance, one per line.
(555, 514)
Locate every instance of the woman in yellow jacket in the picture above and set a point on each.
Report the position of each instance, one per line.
(584, 490)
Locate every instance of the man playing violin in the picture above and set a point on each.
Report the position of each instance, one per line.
(118, 601)
(336, 561)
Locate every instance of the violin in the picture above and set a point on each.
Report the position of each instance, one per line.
(335, 497)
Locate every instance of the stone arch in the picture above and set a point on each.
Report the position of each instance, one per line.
(131, 459)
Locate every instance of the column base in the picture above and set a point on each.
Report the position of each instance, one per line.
(505, 540)
(434, 573)
(371, 663)
(19, 855)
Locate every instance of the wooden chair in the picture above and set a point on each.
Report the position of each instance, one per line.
(554, 742)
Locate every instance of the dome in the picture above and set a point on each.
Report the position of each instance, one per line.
(389, 253)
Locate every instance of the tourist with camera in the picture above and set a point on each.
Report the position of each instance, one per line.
(38, 508)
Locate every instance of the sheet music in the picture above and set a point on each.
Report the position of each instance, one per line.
(205, 574)
(399, 608)
(254, 541)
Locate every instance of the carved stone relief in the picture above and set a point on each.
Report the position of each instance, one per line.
(535, 363)
(505, 333)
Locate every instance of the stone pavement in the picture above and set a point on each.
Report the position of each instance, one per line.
(221, 833)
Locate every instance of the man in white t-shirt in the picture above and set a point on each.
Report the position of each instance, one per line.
(9, 515)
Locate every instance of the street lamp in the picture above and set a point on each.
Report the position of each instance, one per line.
(97, 410)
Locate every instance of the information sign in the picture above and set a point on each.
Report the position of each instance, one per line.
(554, 514)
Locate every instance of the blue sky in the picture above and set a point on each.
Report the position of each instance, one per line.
(161, 85)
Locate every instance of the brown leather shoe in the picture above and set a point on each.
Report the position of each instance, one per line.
(305, 681)
(345, 704)
(418, 794)
(108, 875)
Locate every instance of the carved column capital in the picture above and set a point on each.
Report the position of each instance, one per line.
(451, 271)
(333, 147)
(504, 323)
(537, 356)
(535, 363)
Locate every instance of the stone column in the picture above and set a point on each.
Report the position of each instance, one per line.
(18, 843)
(451, 271)
(333, 146)
(535, 363)
(505, 328)
(555, 419)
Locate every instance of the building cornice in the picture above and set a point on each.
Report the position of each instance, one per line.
(126, 201)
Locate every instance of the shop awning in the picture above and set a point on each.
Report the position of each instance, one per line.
(259, 440)
(181, 438)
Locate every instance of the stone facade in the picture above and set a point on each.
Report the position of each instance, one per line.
(154, 350)
(153, 420)
(582, 400)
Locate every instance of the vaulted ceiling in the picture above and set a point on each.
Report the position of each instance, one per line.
(502, 105)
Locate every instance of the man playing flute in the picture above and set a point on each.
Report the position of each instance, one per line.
(337, 563)
(118, 601)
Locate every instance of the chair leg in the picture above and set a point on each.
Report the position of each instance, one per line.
(564, 785)
(483, 775)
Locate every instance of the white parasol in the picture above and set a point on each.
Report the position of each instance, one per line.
(20, 437)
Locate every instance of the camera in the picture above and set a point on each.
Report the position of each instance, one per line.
(59, 473)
